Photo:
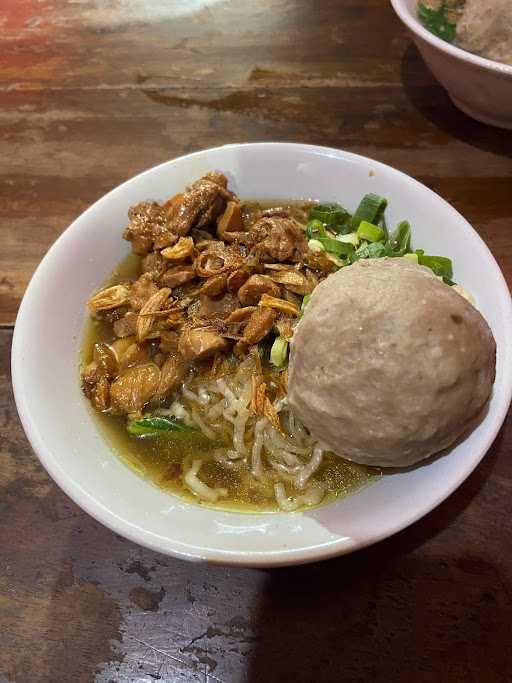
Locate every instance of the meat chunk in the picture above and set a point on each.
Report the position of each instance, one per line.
(98, 374)
(200, 343)
(200, 204)
(148, 228)
(168, 341)
(236, 279)
(251, 292)
(294, 281)
(217, 177)
(126, 326)
(171, 373)
(142, 290)
(133, 355)
(105, 359)
(217, 307)
(230, 226)
(183, 248)
(96, 386)
(100, 394)
(217, 258)
(215, 285)
(153, 264)
(278, 239)
(259, 325)
(286, 307)
(177, 276)
(319, 262)
(134, 388)
(149, 313)
(240, 315)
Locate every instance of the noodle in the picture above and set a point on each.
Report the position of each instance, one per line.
(201, 399)
(285, 503)
(282, 461)
(256, 465)
(209, 433)
(308, 469)
(199, 487)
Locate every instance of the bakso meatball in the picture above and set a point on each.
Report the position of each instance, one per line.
(485, 28)
(389, 364)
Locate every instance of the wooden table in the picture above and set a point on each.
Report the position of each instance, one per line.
(93, 92)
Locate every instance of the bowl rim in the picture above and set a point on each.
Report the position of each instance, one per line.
(415, 26)
(260, 558)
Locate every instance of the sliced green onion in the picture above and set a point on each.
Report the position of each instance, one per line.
(350, 238)
(336, 247)
(382, 224)
(279, 352)
(370, 232)
(314, 228)
(411, 257)
(157, 424)
(372, 250)
(440, 265)
(464, 293)
(329, 214)
(305, 302)
(399, 242)
(339, 263)
(370, 209)
(316, 246)
(437, 22)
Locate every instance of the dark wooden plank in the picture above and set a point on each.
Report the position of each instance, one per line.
(61, 152)
(91, 95)
(58, 44)
(94, 92)
(78, 603)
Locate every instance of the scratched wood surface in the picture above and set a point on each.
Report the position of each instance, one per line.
(93, 91)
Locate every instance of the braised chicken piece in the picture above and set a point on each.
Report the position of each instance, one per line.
(172, 372)
(200, 204)
(201, 342)
(278, 239)
(130, 392)
(230, 226)
(257, 285)
(217, 307)
(215, 285)
(148, 228)
(237, 278)
(216, 276)
(177, 276)
(125, 326)
(217, 257)
(259, 325)
(142, 290)
(154, 264)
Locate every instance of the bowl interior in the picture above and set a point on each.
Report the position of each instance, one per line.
(59, 425)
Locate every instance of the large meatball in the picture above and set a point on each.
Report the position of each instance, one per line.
(486, 29)
(389, 364)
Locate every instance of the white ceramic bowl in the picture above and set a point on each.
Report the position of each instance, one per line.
(58, 422)
(480, 87)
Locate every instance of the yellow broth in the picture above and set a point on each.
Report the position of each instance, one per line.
(160, 458)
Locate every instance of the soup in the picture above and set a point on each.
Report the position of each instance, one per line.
(186, 351)
(219, 432)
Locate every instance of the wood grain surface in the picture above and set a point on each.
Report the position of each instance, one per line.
(94, 91)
